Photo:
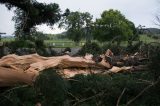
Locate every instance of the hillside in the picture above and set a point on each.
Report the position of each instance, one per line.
(152, 31)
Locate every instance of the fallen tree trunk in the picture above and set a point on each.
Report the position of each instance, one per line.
(67, 73)
(24, 69)
(10, 77)
(129, 60)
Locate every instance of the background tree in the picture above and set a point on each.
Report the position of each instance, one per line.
(113, 26)
(76, 24)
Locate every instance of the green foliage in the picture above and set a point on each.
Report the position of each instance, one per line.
(37, 35)
(47, 52)
(39, 43)
(105, 90)
(134, 47)
(16, 3)
(29, 13)
(116, 49)
(92, 48)
(75, 35)
(40, 13)
(75, 23)
(154, 56)
(19, 97)
(20, 44)
(113, 24)
(52, 87)
(148, 39)
(81, 90)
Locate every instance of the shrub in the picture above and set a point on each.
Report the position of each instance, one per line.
(39, 43)
(47, 52)
(154, 57)
(20, 44)
(19, 96)
(134, 48)
(92, 48)
(52, 87)
(91, 90)
(105, 90)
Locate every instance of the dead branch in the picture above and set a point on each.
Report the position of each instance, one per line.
(119, 98)
(144, 90)
(24, 69)
(83, 100)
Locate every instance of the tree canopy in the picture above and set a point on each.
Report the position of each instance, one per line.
(24, 21)
(76, 24)
(30, 13)
(112, 25)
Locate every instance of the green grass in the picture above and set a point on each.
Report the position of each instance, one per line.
(148, 39)
(62, 43)
(7, 39)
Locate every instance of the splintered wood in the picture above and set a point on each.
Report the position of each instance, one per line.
(24, 69)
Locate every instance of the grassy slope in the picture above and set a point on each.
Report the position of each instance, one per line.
(69, 43)
(147, 39)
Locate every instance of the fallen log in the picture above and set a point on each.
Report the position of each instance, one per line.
(24, 69)
(10, 77)
(67, 73)
(129, 60)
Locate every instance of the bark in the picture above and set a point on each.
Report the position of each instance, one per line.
(67, 73)
(24, 69)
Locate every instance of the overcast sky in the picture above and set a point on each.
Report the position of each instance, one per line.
(138, 11)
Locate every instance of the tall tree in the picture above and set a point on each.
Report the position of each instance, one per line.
(76, 24)
(113, 25)
(30, 13)
(45, 13)
(23, 4)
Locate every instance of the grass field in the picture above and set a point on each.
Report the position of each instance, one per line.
(7, 39)
(147, 39)
(69, 43)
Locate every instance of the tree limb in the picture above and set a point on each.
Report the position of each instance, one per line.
(145, 89)
(119, 98)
